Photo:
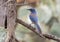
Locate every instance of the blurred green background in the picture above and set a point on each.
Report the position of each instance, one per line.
(49, 20)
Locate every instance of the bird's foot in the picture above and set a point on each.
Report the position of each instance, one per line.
(41, 34)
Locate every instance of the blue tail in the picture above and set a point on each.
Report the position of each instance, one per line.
(38, 27)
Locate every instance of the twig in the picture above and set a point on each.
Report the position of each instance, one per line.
(32, 29)
(29, 27)
(17, 4)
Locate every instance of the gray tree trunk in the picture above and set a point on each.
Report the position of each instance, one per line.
(8, 10)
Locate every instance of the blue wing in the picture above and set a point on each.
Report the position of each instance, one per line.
(34, 19)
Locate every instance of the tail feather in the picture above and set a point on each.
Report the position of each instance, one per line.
(38, 28)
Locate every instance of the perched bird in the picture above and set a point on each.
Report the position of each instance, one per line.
(34, 18)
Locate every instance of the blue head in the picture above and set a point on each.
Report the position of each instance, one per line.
(32, 10)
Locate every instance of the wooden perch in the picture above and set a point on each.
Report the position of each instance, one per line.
(32, 29)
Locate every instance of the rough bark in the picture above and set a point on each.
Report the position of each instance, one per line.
(8, 9)
(48, 36)
(11, 21)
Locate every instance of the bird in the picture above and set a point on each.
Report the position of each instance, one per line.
(34, 19)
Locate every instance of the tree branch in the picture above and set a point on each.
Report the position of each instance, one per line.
(32, 29)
